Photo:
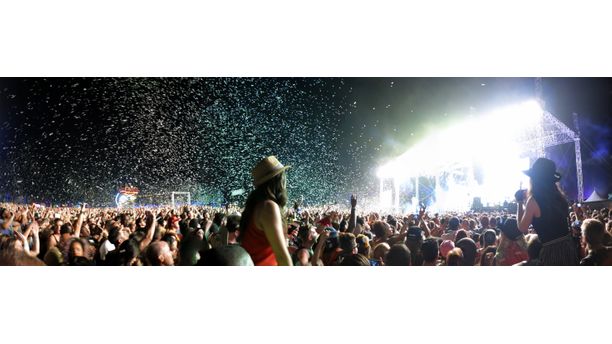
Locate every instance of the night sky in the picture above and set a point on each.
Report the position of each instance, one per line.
(79, 139)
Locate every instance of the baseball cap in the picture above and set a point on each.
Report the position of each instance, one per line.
(193, 223)
(414, 233)
(333, 233)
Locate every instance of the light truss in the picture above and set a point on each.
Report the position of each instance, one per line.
(541, 130)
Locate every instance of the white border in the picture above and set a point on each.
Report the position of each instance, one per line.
(314, 38)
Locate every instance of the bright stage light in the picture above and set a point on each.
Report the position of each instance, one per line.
(494, 142)
(120, 199)
(124, 199)
(386, 200)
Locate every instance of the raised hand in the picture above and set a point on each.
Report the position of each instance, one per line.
(35, 228)
(520, 196)
(17, 214)
(353, 201)
(149, 218)
(421, 211)
(24, 241)
(405, 223)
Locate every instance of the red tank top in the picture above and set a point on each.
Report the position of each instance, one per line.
(257, 245)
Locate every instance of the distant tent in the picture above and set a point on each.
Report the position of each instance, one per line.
(595, 197)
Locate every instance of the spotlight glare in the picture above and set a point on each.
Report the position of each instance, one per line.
(495, 141)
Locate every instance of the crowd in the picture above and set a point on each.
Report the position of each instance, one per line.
(546, 230)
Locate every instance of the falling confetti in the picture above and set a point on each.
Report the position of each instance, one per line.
(80, 139)
(163, 135)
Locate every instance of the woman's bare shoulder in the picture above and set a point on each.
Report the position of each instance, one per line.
(269, 205)
(265, 210)
(533, 204)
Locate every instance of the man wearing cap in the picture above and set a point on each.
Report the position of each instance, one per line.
(414, 241)
(262, 232)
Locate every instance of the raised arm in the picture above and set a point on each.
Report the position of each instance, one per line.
(273, 229)
(425, 228)
(319, 249)
(25, 215)
(34, 229)
(352, 225)
(24, 241)
(423, 223)
(79, 224)
(28, 228)
(525, 215)
(151, 223)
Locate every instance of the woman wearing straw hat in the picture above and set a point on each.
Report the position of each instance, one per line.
(547, 210)
(262, 233)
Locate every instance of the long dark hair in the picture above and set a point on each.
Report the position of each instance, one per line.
(549, 196)
(274, 189)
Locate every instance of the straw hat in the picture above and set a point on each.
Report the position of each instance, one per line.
(267, 169)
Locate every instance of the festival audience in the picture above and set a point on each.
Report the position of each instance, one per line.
(512, 247)
(355, 260)
(487, 256)
(430, 252)
(378, 256)
(453, 227)
(150, 238)
(533, 252)
(398, 255)
(158, 253)
(454, 257)
(593, 232)
(546, 231)
(230, 255)
(469, 249)
(445, 247)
